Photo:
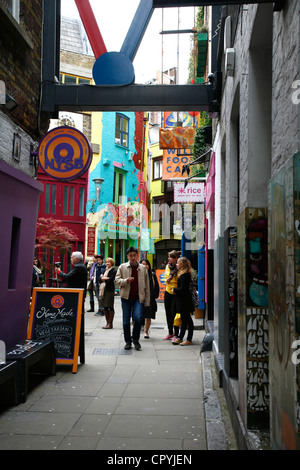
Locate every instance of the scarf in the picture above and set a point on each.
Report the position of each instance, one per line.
(102, 284)
(173, 270)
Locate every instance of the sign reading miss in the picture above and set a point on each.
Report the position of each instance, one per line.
(55, 315)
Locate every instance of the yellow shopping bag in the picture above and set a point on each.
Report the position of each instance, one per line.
(177, 320)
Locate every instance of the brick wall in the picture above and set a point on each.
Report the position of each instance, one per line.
(20, 63)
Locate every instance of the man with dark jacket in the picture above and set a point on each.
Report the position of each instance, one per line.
(77, 279)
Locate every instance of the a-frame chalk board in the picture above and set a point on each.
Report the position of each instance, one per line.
(55, 315)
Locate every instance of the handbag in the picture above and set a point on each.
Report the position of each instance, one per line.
(195, 296)
(177, 320)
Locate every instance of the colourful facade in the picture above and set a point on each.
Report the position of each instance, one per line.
(121, 211)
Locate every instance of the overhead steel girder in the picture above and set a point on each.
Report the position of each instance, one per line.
(198, 3)
(128, 98)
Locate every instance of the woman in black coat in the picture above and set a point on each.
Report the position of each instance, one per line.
(107, 292)
(150, 312)
(184, 301)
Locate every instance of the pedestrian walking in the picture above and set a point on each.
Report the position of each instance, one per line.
(133, 281)
(184, 301)
(77, 279)
(169, 296)
(99, 270)
(107, 292)
(91, 286)
(150, 312)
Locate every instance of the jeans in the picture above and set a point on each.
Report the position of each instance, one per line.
(170, 308)
(135, 308)
(186, 323)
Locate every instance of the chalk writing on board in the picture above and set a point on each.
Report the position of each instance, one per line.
(55, 326)
(55, 315)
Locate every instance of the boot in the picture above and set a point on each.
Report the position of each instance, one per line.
(111, 317)
(92, 306)
(107, 326)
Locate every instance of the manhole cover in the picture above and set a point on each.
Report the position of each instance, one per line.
(111, 351)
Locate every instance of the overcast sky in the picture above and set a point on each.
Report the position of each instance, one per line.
(114, 18)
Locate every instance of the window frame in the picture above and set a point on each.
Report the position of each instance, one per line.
(156, 160)
(116, 188)
(123, 118)
(14, 9)
(50, 198)
(78, 79)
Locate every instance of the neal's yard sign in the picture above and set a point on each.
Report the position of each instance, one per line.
(55, 314)
(64, 153)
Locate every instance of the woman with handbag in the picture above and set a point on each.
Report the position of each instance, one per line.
(184, 301)
(107, 292)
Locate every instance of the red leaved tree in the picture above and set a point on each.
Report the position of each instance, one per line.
(54, 237)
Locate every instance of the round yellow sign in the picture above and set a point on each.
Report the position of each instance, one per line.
(64, 153)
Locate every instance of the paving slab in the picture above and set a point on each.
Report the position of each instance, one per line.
(161, 398)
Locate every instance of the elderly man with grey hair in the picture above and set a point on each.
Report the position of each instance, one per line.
(77, 277)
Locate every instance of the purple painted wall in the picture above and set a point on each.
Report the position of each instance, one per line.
(18, 215)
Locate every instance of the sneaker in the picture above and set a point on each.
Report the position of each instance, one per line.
(127, 346)
(186, 343)
(169, 336)
(174, 338)
(177, 341)
(137, 345)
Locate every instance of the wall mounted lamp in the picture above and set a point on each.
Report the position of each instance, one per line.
(98, 183)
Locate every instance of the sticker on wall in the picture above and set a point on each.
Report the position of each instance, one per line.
(65, 153)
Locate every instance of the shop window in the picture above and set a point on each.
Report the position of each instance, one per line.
(69, 200)
(81, 202)
(50, 198)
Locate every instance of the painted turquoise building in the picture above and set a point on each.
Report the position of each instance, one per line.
(115, 220)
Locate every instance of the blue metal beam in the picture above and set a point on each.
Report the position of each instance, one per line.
(137, 28)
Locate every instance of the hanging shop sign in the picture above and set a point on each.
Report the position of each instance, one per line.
(177, 137)
(193, 192)
(65, 153)
(91, 244)
(173, 161)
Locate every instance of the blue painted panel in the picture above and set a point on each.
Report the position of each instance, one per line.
(137, 29)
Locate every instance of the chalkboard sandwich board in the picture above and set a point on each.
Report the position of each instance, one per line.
(55, 315)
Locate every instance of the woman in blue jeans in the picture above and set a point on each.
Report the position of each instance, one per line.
(184, 301)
